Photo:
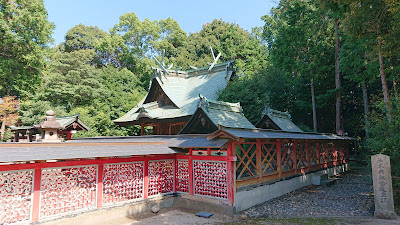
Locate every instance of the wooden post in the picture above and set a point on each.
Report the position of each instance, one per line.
(99, 190)
(258, 158)
(69, 134)
(175, 174)
(36, 194)
(335, 155)
(230, 180)
(146, 179)
(279, 157)
(169, 128)
(141, 129)
(294, 146)
(29, 136)
(307, 154)
(342, 160)
(16, 136)
(327, 153)
(191, 177)
(318, 153)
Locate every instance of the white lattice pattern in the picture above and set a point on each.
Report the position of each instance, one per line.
(122, 182)
(182, 176)
(161, 177)
(15, 196)
(210, 178)
(67, 189)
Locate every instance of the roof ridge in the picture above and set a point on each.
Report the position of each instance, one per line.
(233, 107)
(276, 113)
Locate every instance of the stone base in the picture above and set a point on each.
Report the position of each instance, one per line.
(385, 215)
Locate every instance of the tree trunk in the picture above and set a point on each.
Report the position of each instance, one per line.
(396, 96)
(337, 81)
(314, 110)
(366, 108)
(2, 131)
(385, 89)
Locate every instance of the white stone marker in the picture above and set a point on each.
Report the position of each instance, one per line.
(383, 192)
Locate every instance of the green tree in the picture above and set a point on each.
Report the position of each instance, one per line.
(233, 42)
(72, 81)
(24, 34)
(300, 45)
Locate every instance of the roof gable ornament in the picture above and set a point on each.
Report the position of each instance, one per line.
(215, 59)
(203, 102)
(161, 64)
(276, 113)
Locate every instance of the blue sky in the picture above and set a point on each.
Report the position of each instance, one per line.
(191, 15)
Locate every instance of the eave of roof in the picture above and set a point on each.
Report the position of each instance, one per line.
(104, 147)
(237, 133)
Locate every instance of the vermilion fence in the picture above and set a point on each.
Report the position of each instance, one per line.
(261, 161)
(33, 191)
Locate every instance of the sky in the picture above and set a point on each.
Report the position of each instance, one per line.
(191, 15)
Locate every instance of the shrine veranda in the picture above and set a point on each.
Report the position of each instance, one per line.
(46, 180)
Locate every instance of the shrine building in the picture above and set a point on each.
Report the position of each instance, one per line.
(202, 152)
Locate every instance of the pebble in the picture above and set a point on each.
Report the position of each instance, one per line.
(349, 196)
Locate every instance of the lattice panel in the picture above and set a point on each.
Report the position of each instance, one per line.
(340, 153)
(161, 177)
(301, 155)
(331, 152)
(182, 176)
(123, 182)
(269, 158)
(313, 154)
(67, 189)
(323, 156)
(15, 196)
(210, 179)
(287, 156)
(246, 164)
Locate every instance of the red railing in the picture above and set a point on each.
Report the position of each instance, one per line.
(32, 191)
(262, 161)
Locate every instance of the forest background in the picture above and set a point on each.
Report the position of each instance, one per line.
(333, 64)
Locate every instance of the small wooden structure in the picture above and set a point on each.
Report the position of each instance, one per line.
(210, 114)
(277, 120)
(68, 125)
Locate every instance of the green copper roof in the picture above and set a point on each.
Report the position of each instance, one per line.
(183, 89)
(218, 114)
(280, 119)
(225, 114)
(67, 121)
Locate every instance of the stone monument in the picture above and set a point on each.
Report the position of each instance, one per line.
(383, 192)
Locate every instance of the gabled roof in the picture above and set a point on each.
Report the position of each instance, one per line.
(182, 88)
(274, 119)
(237, 133)
(68, 122)
(65, 122)
(210, 114)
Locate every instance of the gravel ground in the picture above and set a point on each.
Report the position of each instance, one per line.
(350, 196)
